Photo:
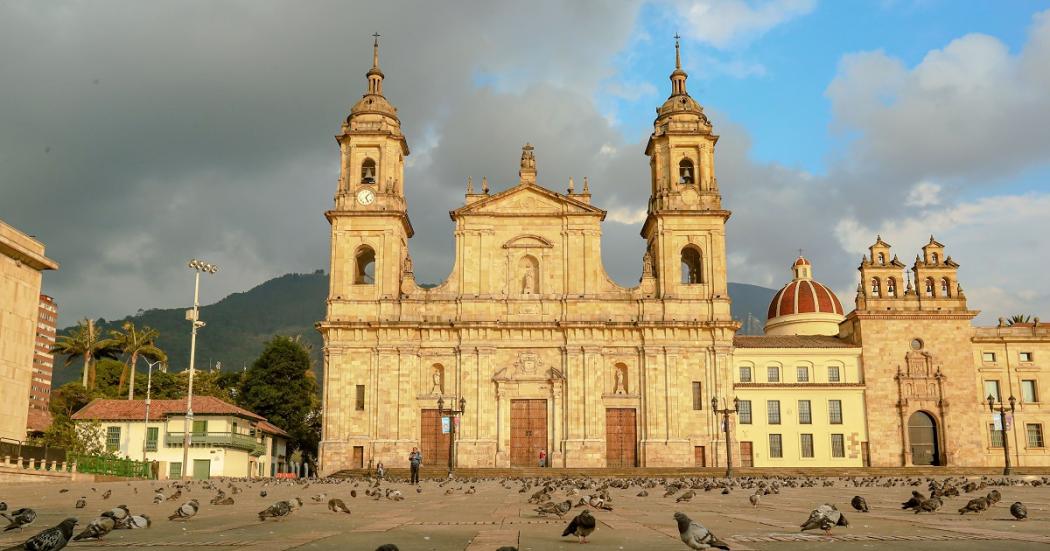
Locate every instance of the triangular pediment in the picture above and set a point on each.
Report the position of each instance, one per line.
(529, 200)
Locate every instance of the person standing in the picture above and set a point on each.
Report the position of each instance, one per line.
(543, 458)
(414, 460)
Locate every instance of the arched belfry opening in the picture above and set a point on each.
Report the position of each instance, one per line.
(692, 266)
(368, 171)
(365, 266)
(686, 172)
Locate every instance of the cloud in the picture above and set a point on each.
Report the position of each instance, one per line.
(730, 23)
(924, 194)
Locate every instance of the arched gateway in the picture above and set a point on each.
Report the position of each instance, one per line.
(922, 435)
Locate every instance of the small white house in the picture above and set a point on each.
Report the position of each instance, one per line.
(225, 440)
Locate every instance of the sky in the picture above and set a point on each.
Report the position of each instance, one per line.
(137, 135)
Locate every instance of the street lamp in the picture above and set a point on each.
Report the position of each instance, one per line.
(149, 385)
(193, 315)
(1002, 427)
(452, 414)
(725, 426)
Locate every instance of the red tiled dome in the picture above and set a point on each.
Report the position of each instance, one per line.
(801, 262)
(803, 296)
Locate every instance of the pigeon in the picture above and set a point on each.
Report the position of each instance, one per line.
(336, 505)
(3, 505)
(118, 513)
(993, 497)
(353, 493)
(914, 501)
(387, 547)
(106, 494)
(685, 497)
(81, 503)
(824, 517)
(262, 493)
(224, 501)
(157, 498)
(860, 504)
(975, 505)
(643, 493)
(754, 499)
(695, 535)
(97, 529)
(186, 511)
(507, 548)
(581, 526)
(137, 522)
(1019, 511)
(53, 538)
(277, 510)
(20, 518)
(929, 505)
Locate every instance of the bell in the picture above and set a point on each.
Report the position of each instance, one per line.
(687, 176)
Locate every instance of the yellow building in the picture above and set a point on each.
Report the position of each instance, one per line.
(21, 262)
(225, 440)
(545, 354)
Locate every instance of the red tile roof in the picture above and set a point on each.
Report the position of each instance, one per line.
(133, 410)
(790, 341)
(271, 428)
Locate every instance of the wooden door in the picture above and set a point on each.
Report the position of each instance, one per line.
(621, 443)
(922, 435)
(746, 457)
(201, 469)
(528, 432)
(358, 460)
(432, 443)
(700, 456)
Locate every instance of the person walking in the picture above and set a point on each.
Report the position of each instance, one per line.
(380, 470)
(414, 460)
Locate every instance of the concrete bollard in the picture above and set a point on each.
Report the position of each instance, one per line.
(65, 467)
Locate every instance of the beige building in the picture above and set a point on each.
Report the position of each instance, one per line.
(22, 260)
(225, 440)
(549, 356)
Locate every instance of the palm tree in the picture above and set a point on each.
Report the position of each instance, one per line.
(1019, 318)
(135, 343)
(84, 341)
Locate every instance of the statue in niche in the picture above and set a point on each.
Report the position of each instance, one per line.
(647, 264)
(438, 387)
(529, 280)
(620, 387)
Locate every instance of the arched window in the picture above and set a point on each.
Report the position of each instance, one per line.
(946, 287)
(933, 257)
(929, 287)
(882, 258)
(368, 172)
(686, 172)
(891, 287)
(692, 266)
(876, 288)
(365, 266)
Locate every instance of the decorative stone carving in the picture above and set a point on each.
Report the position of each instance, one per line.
(620, 386)
(438, 384)
(647, 264)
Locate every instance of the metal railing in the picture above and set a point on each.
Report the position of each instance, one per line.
(112, 467)
(218, 439)
(16, 448)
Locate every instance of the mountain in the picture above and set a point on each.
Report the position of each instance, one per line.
(239, 325)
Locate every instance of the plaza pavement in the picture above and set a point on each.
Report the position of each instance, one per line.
(495, 516)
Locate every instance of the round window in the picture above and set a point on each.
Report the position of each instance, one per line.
(916, 344)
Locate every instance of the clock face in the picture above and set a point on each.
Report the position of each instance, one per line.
(366, 197)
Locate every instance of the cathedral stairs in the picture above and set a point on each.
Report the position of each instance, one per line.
(531, 472)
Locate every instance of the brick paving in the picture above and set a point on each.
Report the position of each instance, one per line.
(496, 516)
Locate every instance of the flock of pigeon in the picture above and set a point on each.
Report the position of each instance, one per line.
(551, 496)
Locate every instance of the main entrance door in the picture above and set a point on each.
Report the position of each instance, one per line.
(432, 442)
(620, 438)
(922, 435)
(528, 432)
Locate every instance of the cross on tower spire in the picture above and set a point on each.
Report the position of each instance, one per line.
(375, 76)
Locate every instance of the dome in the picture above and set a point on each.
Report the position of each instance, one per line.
(373, 103)
(804, 306)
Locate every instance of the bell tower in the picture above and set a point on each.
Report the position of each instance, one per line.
(685, 227)
(370, 226)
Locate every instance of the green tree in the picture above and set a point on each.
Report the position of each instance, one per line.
(280, 386)
(84, 341)
(83, 438)
(134, 342)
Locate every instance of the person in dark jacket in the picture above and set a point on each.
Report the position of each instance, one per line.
(415, 459)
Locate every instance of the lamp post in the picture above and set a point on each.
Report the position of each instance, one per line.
(1002, 427)
(193, 316)
(149, 385)
(725, 426)
(452, 414)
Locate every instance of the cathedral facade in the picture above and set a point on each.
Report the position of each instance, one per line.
(546, 360)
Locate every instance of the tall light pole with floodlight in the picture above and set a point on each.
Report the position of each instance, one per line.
(193, 315)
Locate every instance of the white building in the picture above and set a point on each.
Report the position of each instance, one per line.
(225, 440)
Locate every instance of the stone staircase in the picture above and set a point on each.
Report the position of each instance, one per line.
(432, 473)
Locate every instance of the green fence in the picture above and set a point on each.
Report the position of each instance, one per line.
(112, 467)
